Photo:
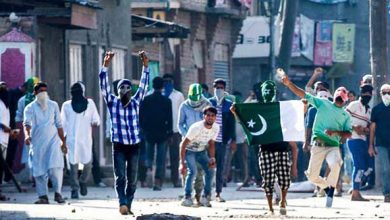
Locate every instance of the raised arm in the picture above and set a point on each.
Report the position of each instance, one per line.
(143, 85)
(317, 73)
(286, 81)
(103, 78)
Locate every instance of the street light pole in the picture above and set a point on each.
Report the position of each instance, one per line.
(272, 39)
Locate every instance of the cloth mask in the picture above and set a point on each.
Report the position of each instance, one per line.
(168, 88)
(365, 99)
(386, 100)
(220, 94)
(42, 99)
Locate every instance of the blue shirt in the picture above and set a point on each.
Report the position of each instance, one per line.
(125, 128)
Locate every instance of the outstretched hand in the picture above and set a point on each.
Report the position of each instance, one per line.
(144, 58)
(283, 76)
(107, 58)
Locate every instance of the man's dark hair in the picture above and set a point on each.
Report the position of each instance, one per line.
(209, 109)
(39, 85)
(352, 92)
(158, 83)
(204, 86)
(219, 81)
(168, 76)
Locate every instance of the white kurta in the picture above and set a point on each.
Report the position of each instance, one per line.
(78, 131)
(45, 143)
(4, 119)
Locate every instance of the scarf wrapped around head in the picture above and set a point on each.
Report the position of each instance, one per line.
(30, 83)
(79, 102)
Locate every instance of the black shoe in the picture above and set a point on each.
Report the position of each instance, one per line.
(42, 200)
(83, 189)
(74, 194)
(130, 212)
(58, 198)
(156, 188)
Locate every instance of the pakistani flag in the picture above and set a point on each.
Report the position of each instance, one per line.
(266, 123)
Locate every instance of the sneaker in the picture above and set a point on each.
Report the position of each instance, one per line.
(83, 189)
(187, 202)
(58, 198)
(123, 210)
(205, 201)
(101, 184)
(42, 200)
(74, 194)
(219, 199)
(329, 202)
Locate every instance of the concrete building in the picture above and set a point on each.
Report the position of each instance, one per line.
(206, 53)
(337, 73)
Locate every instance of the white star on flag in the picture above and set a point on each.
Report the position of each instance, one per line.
(251, 123)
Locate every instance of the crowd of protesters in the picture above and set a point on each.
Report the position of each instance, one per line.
(200, 135)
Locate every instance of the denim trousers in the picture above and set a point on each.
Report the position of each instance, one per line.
(192, 158)
(125, 159)
(384, 159)
(220, 157)
(75, 180)
(359, 151)
(160, 157)
(55, 175)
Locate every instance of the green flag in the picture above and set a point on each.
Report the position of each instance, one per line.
(266, 123)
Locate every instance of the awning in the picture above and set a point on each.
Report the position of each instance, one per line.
(144, 27)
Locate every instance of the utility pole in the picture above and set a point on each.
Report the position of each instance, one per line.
(272, 38)
(378, 44)
(290, 11)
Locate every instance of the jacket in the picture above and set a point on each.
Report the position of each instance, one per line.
(228, 122)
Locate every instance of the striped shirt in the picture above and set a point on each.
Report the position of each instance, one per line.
(219, 121)
(125, 128)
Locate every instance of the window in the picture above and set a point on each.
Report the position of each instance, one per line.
(75, 63)
(118, 64)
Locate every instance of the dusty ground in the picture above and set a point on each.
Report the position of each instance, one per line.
(101, 203)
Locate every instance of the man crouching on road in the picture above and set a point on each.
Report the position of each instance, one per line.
(193, 150)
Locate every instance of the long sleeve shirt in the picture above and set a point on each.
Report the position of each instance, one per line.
(125, 128)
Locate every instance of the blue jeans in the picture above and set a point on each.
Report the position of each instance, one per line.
(160, 158)
(125, 159)
(203, 159)
(220, 152)
(359, 151)
(384, 159)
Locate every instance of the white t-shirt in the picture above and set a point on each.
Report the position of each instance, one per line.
(360, 116)
(176, 98)
(4, 119)
(200, 136)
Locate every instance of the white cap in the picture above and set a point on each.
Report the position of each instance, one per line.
(385, 87)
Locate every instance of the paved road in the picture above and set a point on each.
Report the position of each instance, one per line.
(101, 203)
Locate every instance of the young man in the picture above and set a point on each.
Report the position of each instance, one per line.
(79, 115)
(125, 130)
(201, 135)
(227, 134)
(156, 124)
(360, 114)
(44, 133)
(176, 98)
(379, 131)
(332, 123)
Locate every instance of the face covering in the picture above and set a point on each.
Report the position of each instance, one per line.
(42, 99)
(79, 102)
(168, 88)
(386, 100)
(365, 99)
(219, 93)
(29, 97)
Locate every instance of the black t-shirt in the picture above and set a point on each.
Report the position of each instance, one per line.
(381, 116)
(275, 147)
(14, 96)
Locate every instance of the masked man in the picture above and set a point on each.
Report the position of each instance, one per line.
(227, 134)
(331, 124)
(190, 111)
(44, 134)
(379, 131)
(79, 115)
(125, 130)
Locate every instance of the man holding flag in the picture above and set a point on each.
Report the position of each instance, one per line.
(332, 123)
(273, 135)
